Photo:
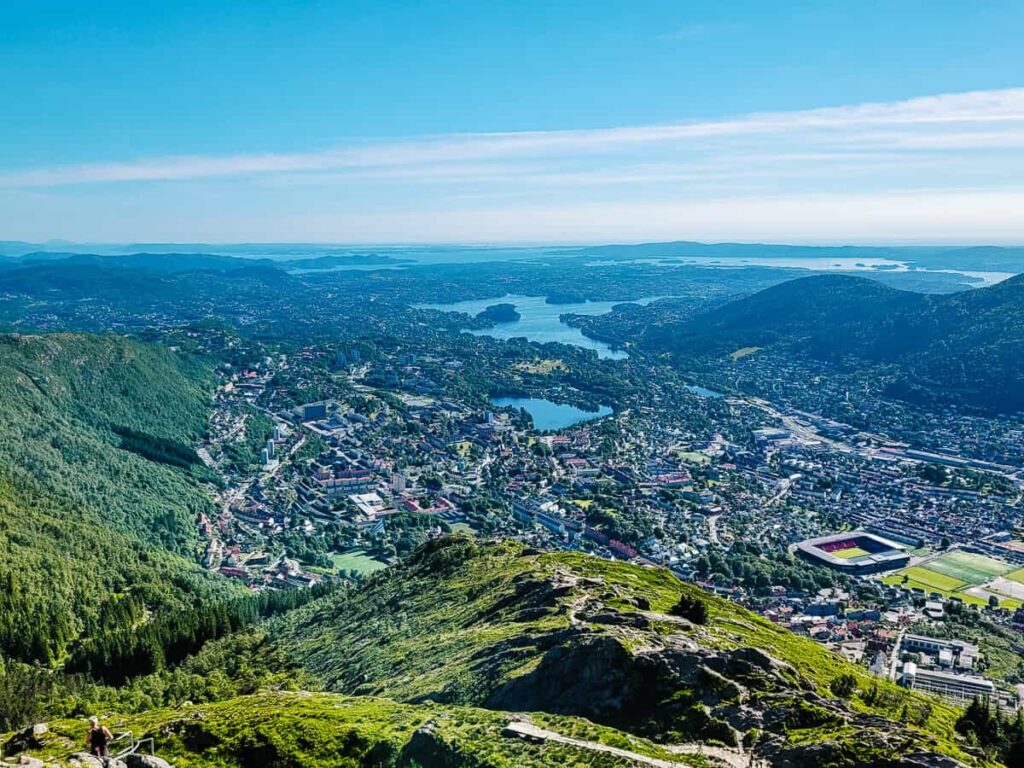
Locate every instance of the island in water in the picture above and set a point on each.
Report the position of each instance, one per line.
(499, 313)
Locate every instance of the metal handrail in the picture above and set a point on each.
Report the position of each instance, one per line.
(135, 745)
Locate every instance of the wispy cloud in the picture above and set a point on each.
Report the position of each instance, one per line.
(963, 121)
(947, 167)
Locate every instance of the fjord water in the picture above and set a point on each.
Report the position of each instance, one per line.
(540, 321)
(548, 415)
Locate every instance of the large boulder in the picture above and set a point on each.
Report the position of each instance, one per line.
(146, 761)
(85, 760)
(29, 738)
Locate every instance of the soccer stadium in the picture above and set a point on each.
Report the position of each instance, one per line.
(854, 552)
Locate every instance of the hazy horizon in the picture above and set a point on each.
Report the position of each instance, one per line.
(533, 124)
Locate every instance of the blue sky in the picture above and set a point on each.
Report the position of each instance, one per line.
(898, 121)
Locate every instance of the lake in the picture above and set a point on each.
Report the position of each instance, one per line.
(702, 391)
(548, 415)
(540, 321)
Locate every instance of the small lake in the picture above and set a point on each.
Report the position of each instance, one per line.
(702, 391)
(539, 321)
(548, 415)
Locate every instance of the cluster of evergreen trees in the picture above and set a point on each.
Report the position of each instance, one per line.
(994, 731)
(130, 650)
(160, 449)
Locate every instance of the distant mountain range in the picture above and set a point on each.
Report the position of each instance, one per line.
(985, 258)
(189, 262)
(965, 347)
(982, 258)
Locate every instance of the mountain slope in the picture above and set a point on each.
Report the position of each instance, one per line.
(67, 403)
(303, 730)
(828, 311)
(964, 347)
(91, 508)
(503, 627)
(492, 654)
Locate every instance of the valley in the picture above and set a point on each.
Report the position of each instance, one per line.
(335, 491)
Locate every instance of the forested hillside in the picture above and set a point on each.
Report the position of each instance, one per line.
(965, 347)
(97, 489)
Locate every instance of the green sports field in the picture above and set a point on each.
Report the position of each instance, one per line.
(850, 553)
(356, 560)
(1017, 575)
(954, 574)
(930, 580)
(968, 567)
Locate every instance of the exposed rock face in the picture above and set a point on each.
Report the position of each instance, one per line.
(888, 747)
(85, 760)
(671, 685)
(145, 761)
(614, 667)
(426, 750)
(32, 737)
(928, 760)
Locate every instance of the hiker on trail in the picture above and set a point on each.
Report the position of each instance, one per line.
(98, 738)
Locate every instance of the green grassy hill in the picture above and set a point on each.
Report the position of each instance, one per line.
(303, 730)
(429, 662)
(503, 627)
(98, 493)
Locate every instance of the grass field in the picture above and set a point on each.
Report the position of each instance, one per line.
(1017, 575)
(958, 574)
(542, 367)
(968, 567)
(356, 560)
(691, 457)
(932, 580)
(849, 553)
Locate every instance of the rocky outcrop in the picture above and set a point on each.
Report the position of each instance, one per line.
(671, 686)
(145, 761)
(33, 737)
(85, 760)
(427, 750)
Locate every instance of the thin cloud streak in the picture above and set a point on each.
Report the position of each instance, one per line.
(978, 118)
(912, 216)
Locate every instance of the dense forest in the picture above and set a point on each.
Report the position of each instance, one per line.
(97, 513)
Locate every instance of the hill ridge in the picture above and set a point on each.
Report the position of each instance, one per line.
(966, 347)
